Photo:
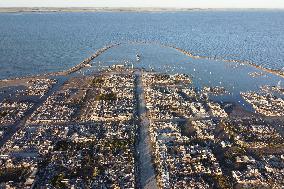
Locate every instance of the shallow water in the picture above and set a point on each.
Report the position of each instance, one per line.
(234, 77)
(33, 43)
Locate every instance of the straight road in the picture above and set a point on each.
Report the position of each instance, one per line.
(147, 176)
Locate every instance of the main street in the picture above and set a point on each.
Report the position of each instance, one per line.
(147, 174)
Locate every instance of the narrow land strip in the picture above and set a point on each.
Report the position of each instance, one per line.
(147, 173)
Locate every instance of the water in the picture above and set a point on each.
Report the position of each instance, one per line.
(234, 77)
(34, 43)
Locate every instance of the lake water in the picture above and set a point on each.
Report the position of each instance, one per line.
(34, 43)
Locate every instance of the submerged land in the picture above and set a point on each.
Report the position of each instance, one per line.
(127, 127)
(169, 111)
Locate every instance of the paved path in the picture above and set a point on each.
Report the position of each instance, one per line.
(146, 170)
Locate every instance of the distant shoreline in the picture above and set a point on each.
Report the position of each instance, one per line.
(119, 9)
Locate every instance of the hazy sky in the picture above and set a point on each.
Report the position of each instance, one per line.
(146, 3)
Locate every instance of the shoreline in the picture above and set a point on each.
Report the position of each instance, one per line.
(269, 70)
(121, 9)
(91, 9)
(69, 71)
(100, 51)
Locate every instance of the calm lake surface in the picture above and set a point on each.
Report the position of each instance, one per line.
(34, 43)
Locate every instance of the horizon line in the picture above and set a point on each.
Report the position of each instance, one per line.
(134, 9)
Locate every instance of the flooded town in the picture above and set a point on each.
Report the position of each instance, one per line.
(142, 94)
(126, 127)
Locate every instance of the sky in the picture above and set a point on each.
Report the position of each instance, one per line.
(146, 3)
